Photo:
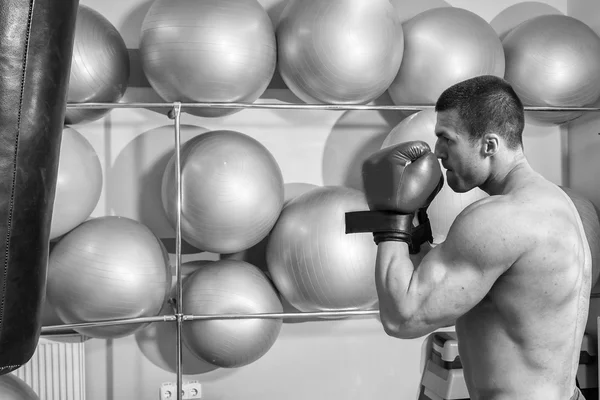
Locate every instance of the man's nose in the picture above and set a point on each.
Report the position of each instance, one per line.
(438, 151)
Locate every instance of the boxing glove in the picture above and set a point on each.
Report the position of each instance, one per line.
(36, 44)
(400, 182)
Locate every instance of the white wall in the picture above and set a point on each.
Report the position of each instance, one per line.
(351, 359)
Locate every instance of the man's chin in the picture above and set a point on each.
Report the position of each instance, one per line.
(457, 188)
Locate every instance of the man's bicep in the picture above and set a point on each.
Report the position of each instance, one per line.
(457, 274)
(448, 290)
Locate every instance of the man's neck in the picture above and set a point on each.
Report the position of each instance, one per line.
(507, 170)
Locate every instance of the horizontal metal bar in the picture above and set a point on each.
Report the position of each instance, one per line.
(52, 329)
(329, 107)
(285, 315)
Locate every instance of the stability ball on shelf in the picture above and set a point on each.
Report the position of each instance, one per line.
(208, 51)
(14, 388)
(339, 51)
(156, 341)
(108, 268)
(553, 60)
(100, 67)
(230, 287)
(232, 191)
(443, 46)
(447, 204)
(79, 183)
(314, 264)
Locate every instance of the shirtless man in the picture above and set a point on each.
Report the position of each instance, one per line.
(513, 274)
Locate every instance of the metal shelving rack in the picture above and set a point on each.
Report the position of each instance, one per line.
(178, 316)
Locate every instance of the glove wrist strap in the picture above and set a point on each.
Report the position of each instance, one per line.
(422, 233)
(392, 226)
(385, 226)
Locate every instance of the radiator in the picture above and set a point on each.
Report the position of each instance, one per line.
(56, 370)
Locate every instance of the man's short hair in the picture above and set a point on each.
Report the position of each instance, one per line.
(485, 104)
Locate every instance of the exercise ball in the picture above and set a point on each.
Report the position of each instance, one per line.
(443, 46)
(339, 51)
(314, 264)
(156, 343)
(230, 287)
(591, 225)
(108, 268)
(14, 388)
(208, 51)
(232, 191)
(447, 204)
(99, 68)
(79, 183)
(553, 60)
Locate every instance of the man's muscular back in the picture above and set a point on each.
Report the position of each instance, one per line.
(522, 340)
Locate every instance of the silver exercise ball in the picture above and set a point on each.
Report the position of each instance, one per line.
(443, 46)
(79, 183)
(553, 60)
(339, 51)
(100, 66)
(108, 268)
(314, 264)
(208, 51)
(156, 343)
(232, 191)
(230, 287)
(14, 388)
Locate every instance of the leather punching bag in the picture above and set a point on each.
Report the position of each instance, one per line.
(36, 46)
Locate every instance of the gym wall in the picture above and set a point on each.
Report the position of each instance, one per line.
(336, 359)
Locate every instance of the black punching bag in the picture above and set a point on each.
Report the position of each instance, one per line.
(36, 47)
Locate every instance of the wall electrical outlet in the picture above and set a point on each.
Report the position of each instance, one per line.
(191, 390)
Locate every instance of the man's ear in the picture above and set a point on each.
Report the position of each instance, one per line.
(491, 144)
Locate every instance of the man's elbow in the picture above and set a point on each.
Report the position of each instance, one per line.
(401, 327)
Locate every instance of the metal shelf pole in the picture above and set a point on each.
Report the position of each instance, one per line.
(300, 106)
(175, 114)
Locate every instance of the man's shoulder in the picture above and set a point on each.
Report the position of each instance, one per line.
(500, 225)
(516, 218)
(489, 210)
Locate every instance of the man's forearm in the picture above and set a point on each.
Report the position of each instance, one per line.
(393, 276)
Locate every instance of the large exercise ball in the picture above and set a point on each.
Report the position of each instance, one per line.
(591, 225)
(447, 204)
(108, 268)
(14, 388)
(443, 46)
(339, 51)
(314, 264)
(156, 343)
(230, 287)
(232, 191)
(553, 60)
(100, 66)
(208, 51)
(79, 183)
